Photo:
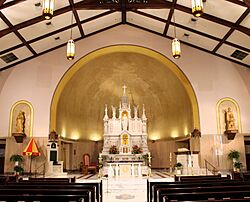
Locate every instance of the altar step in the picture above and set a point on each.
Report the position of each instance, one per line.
(122, 189)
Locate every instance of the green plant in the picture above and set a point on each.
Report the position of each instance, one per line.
(18, 169)
(178, 166)
(233, 154)
(16, 157)
(238, 164)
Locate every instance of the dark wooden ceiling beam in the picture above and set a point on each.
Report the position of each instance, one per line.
(242, 17)
(189, 44)
(71, 2)
(123, 11)
(215, 19)
(170, 15)
(11, 3)
(54, 48)
(58, 31)
(191, 30)
(237, 2)
(17, 34)
(2, 2)
(247, 2)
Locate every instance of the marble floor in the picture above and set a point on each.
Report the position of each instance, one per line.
(126, 189)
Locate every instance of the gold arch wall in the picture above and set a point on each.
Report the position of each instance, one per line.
(96, 79)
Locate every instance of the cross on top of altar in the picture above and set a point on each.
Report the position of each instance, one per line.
(124, 89)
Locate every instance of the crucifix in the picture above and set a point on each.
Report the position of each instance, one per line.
(124, 89)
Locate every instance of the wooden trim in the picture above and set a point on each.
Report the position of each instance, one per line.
(77, 18)
(242, 17)
(171, 12)
(54, 48)
(17, 34)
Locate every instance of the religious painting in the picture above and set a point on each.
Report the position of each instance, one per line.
(21, 119)
(228, 116)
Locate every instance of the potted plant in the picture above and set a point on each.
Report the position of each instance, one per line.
(18, 170)
(237, 166)
(234, 155)
(178, 166)
(16, 158)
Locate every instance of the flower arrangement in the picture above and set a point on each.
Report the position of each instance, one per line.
(136, 149)
(113, 150)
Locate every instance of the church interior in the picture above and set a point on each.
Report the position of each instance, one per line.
(119, 99)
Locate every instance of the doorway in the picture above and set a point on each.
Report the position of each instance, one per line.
(2, 158)
(247, 150)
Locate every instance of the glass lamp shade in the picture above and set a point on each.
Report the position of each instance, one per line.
(48, 9)
(70, 49)
(176, 48)
(197, 8)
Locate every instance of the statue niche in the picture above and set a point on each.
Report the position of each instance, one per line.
(230, 124)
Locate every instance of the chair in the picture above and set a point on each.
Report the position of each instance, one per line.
(87, 166)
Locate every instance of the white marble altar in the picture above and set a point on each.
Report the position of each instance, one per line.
(125, 131)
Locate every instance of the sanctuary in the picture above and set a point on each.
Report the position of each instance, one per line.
(125, 140)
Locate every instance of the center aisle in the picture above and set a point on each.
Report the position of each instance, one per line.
(122, 189)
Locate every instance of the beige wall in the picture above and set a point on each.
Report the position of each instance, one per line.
(17, 148)
(211, 77)
(208, 151)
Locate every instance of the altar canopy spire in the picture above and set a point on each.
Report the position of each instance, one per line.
(125, 102)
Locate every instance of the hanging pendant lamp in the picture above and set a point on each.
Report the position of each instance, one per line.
(71, 44)
(176, 48)
(70, 49)
(197, 8)
(176, 44)
(48, 9)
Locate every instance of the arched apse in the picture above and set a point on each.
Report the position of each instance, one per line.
(96, 79)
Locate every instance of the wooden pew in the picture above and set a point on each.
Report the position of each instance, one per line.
(27, 194)
(95, 188)
(153, 186)
(201, 196)
(166, 191)
(200, 177)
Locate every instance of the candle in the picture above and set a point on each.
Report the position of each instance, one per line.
(170, 155)
(148, 154)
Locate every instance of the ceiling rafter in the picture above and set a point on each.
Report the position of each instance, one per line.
(242, 17)
(2, 2)
(237, 2)
(124, 12)
(71, 2)
(190, 29)
(189, 44)
(58, 31)
(166, 4)
(17, 34)
(214, 19)
(8, 4)
(171, 12)
(59, 46)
